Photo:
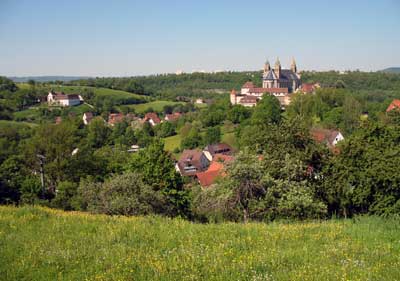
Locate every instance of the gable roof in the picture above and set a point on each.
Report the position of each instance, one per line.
(395, 104)
(191, 157)
(153, 116)
(215, 170)
(248, 99)
(114, 118)
(173, 117)
(219, 148)
(324, 135)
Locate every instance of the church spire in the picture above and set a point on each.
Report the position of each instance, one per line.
(293, 66)
(267, 66)
(278, 68)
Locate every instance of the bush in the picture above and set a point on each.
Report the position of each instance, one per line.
(124, 194)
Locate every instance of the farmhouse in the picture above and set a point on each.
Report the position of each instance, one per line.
(394, 105)
(62, 99)
(191, 162)
(278, 82)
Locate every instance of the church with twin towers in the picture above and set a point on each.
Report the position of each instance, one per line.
(276, 81)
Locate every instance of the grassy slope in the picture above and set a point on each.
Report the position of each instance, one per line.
(157, 106)
(44, 244)
(98, 91)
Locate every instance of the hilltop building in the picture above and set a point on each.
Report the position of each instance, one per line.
(275, 81)
(62, 99)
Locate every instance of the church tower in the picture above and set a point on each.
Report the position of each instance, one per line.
(293, 66)
(267, 67)
(278, 68)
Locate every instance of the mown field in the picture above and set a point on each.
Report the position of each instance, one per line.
(43, 244)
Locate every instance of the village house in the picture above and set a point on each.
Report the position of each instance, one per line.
(278, 82)
(329, 137)
(308, 88)
(219, 148)
(173, 117)
(215, 170)
(395, 104)
(114, 118)
(87, 117)
(62, 99)
(192, 161)
(152, 118)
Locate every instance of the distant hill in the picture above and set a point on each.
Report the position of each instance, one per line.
(47, 78)
(391, 70)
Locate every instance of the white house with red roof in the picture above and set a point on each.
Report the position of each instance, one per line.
(62, 99)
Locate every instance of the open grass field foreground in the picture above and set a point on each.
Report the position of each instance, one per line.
(44, 244)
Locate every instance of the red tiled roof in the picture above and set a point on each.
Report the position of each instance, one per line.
(248, 85)
(207, 178)
(249, 99)
(153, 116)
(307, 88)
(395, 104)
(173, 117)
(114, 118)
(324, 135)
(268, 90)
(216, 169)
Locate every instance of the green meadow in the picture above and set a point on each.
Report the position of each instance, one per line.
(44, 244)
(157, 106)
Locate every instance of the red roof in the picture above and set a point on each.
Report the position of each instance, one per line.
(307, 88)
(249, 99)
(268, 90)
(114, 118)
(395, 104)
(215, 170)
(173, 117)
(153, 116)
(324, 135)
(248, 85)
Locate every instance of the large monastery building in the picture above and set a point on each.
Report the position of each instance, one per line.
(281, 83)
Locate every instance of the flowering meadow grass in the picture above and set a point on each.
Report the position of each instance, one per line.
(44, 244)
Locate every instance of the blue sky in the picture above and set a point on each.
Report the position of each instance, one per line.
(122, 38)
